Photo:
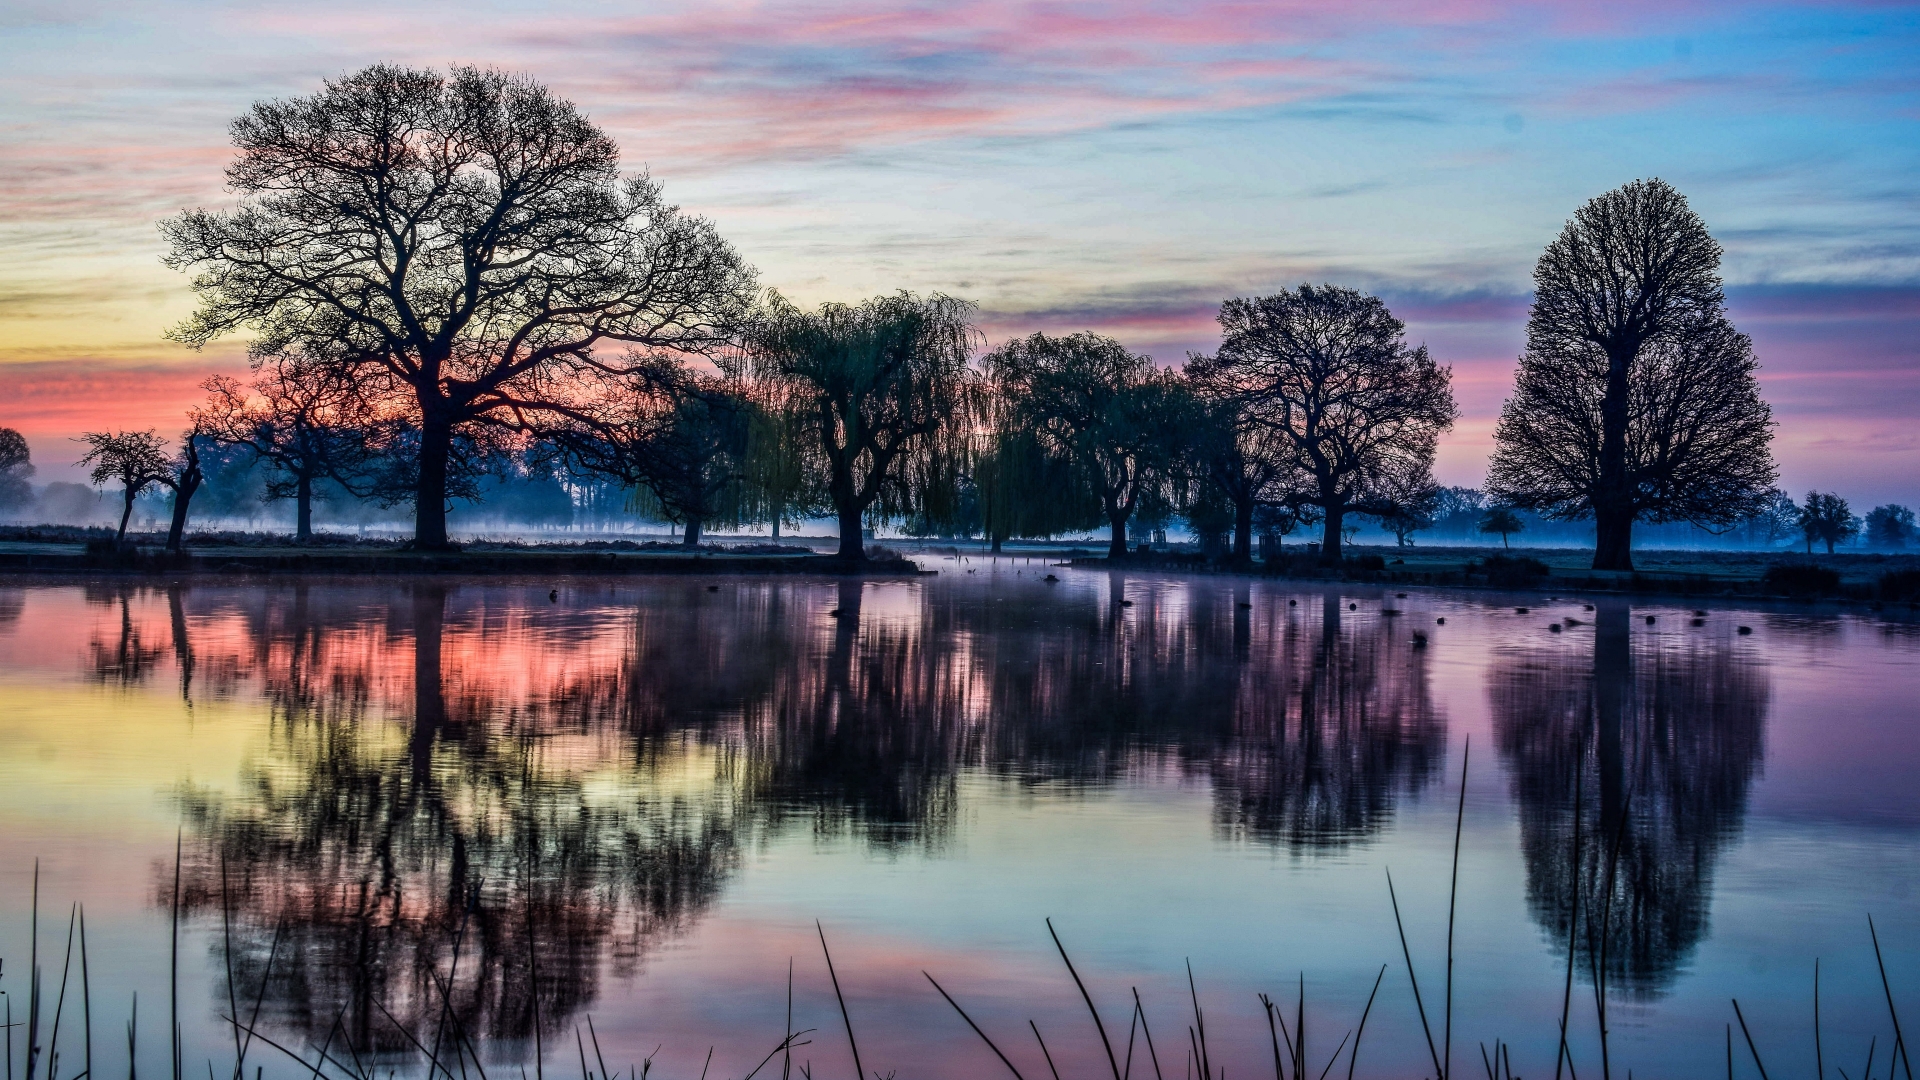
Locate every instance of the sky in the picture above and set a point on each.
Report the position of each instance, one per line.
(1119, 167)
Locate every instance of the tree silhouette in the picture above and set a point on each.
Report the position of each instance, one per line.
(1117, 420)
(1890, 526)
(1246, 460)
(1636, 397)
(184, 476)
(16, 465)
(307, 428)
(137, 460)
(1328, 369)
(1646, 752)
(1827, 517)
(1503, 521)
(460, 243)
(683, 436)
(884, 387)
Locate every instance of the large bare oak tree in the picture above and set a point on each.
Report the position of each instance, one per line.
(1636, 398)
(461, 240)
(1328, 370)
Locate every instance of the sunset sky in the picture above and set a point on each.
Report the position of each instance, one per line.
(1119, 167)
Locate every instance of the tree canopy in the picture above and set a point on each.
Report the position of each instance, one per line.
(885, 387)
(461, 242)
(1328, 369)
(1636, 398)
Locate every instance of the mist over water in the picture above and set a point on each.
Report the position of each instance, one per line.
(630, 799)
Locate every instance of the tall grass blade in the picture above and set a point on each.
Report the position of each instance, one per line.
(1563, 1054)
(1206, 1069)
(1751, 1049)
(1432, 1050)
(1360, 1032)
(976, 1027)
(1147, 1034)
(1819, 1060)
(86, 995)
(133, 1041)
(1043, 1049)
(845, 1018)
(1899, 1039)
(1453, 896)
(1336, 1055)
(60, 1002)
(1273, 1032)
(1099, 1026)
(173, 964)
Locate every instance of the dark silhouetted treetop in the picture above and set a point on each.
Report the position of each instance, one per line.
(1890, 526)
(16, 465)
(463, 241)
(306, 425)
(682, 435)
(136, 460)
(885, 387)
(1636, 398)
(1248, 462)
(1328, 368)
(1117, 419)
(1826, 517)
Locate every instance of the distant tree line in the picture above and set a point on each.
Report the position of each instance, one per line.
(447, 280)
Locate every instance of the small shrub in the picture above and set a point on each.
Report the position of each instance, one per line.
(1800, 579)
(1511, 571)
(1369, 563)
(1900, 585)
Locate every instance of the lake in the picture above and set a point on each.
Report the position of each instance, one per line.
(630, 799)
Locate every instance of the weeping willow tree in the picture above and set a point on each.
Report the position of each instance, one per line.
(884, 390)
(783, 484)
(1024, 488)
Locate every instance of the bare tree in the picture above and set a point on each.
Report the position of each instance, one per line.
(1119, 420)
(184, 475)
(137, 460)
(1248, 461)
(1827, 517)
(16, 465)
(1636, 398)
(885, 387)
(307, 429)
(1329, 370)
(681, 435)
(461, 241)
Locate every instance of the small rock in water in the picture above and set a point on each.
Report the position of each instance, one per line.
(1745, 630)
(1699, 622)
(713, 588)
(1586, 607)
(1649, 620)
(1555, 627)
(1050, 579)
(1570, 621)
(1441, 621)
(1400, 595)
(1126, 603)
(1293, 603)
(1699, 614)
(1521, 610)
(1353, 607)
(554, 596)
(834, 614)
(1245, 605)
(1419, 640)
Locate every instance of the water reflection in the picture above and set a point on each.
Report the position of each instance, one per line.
(1646, 745)
(463, 779)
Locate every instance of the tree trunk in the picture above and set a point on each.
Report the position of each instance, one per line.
(776, 528)
(1243, 531)
(1504, 546)
(127, 513)
(182, 497)
(851, 546)
(1829, 541)
(1336, 516)
(429, 696)
(996, 545)
(1613, 536)
(303, 510)
(1613, 502)
(430, 497)
(1117, 544)
(692, 537)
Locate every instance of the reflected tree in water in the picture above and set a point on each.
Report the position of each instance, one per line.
(390, 864)
(1661, 738)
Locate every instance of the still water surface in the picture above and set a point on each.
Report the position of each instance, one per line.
(649, 790)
